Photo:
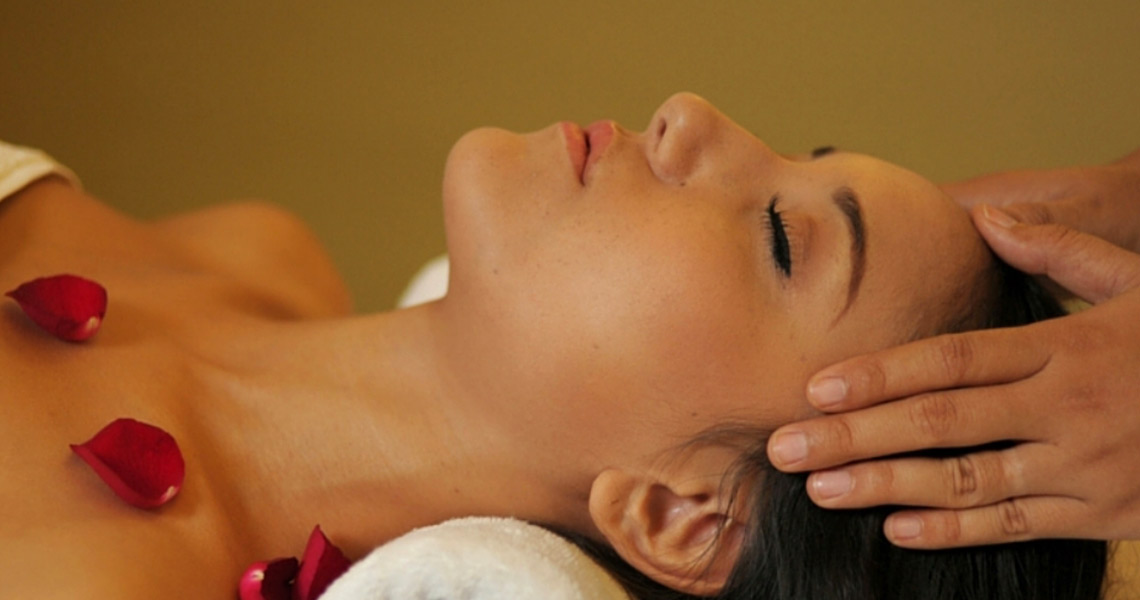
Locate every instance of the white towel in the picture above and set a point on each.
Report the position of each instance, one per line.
(477, 558)
(20, 166)
(429, 283)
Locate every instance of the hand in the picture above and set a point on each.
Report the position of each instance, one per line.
(1101, 200)
(1066, 390)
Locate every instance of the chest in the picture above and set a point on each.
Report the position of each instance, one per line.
(61, 524)
(171, 308)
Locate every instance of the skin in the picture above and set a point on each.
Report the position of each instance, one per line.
(589, 330)
(1076, 375)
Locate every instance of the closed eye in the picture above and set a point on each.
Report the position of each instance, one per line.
(822, 151)
(781, 252)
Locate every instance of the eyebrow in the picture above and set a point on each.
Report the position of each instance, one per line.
(848, 203)
(822, 151)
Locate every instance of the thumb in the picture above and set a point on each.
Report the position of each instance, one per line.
(1087, 266)
(1075, 212)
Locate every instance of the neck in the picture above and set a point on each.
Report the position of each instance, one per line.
(361, 425)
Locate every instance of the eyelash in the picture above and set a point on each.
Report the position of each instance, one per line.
(822, 151)
(781, 252)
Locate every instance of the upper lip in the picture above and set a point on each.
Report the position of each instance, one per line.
(586, 146)
(598, 137)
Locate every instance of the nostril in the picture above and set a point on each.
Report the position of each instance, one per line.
(662, 125)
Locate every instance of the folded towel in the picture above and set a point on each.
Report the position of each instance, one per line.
(20, 166)
(477, 558)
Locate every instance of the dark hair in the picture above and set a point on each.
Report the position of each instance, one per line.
(796, 550)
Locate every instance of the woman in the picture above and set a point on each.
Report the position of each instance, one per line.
(614, 298)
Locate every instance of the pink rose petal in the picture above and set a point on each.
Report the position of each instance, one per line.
(67, 306)
(268, 580)
(140, 462)
(321, 564)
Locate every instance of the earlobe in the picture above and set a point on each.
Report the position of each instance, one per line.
(676, 532)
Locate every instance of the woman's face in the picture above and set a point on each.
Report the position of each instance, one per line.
(690, 274)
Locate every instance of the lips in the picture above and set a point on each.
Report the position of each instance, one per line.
(576, 146)
(585, 146)
(598, 137)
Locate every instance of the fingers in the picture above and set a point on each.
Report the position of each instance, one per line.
(1013, 520)
(943, 362)
(966, 481)
(1088, 266)
(945, 419)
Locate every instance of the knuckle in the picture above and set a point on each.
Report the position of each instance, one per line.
(1059, 235)
(840, 435)
(870, 379)
(964, 484)
(934, 416)
(950, 529)
(1013, 520)
(982, 478)
(876, 481)
(955, 356)
(1033, 213)
(1085, 398)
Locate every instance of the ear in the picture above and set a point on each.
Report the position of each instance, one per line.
(671, 525)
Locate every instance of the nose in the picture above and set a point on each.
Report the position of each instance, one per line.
(688, 135)
(680, 133)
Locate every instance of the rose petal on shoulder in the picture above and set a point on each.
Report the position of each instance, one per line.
(67, 306)
(321, 564)
(141, 463)
(268, 580)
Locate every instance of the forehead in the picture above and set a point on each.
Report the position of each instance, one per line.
(922, 248)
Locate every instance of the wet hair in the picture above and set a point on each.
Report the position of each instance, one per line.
(796, 550)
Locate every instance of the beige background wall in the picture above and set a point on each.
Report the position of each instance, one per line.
(344, 111)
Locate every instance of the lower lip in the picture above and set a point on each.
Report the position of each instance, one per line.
(575, 146)
(599, 134)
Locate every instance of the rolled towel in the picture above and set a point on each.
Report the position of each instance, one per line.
(477, 558)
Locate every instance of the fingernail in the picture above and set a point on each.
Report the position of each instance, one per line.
(828, 391)
(790, 448)
(832, 484)
(906, 527)
(998, 217)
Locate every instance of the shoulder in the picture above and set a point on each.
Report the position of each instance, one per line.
(267, 247)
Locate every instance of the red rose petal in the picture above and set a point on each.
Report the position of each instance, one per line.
(67, 306)
(321, 564)
(270, 580)
(140, 462)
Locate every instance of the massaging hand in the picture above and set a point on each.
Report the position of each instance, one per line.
(1067, 390)
(1101, 200)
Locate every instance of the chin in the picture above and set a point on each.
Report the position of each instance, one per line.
(476, 181)
(485, 163)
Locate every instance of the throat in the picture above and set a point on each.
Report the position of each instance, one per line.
(351, 424)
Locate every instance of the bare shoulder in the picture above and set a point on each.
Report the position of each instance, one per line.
(266, 246)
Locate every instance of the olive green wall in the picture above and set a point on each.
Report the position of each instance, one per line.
(344, 111)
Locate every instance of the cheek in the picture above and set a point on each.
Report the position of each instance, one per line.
(692, 341)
